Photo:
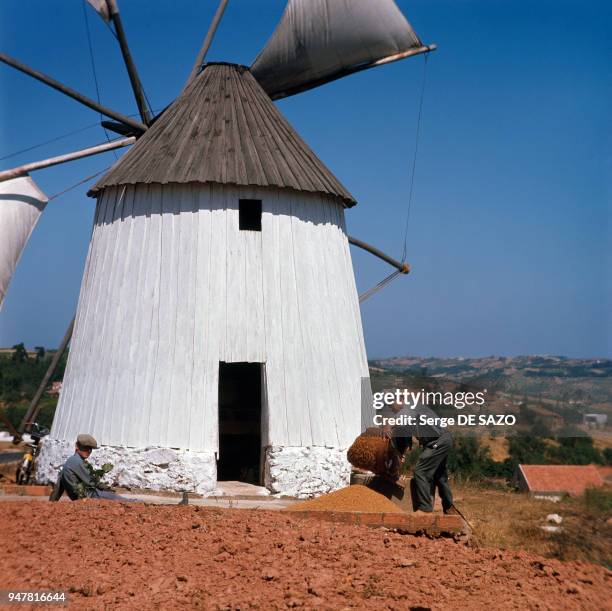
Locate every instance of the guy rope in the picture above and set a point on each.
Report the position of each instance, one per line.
(401, 266)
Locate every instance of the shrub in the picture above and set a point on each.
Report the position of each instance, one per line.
(598, 501)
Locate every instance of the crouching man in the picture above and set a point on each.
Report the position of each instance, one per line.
(75, 478)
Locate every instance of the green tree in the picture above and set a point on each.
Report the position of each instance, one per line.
(576, 451)
(527, 450)
(526, 415)
(470, 459)
(20, 354)
(540, 429)
(19, 379)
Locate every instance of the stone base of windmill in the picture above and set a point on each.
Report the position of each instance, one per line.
(304, 472)
(299, 472)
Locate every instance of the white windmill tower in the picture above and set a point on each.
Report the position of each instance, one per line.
(218, 332)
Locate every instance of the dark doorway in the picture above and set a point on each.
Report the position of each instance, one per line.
(239, 422)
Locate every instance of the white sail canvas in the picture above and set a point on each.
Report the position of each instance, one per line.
(101, 8)
(21, 202)
(317, 41)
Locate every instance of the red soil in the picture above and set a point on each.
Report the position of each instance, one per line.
(111, 555)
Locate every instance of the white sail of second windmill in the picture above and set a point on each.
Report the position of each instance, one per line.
(21, 203)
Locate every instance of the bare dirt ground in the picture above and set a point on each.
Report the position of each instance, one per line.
(110, 555)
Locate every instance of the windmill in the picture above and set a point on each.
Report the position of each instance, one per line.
(218, 332)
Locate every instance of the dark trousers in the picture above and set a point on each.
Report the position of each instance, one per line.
(430, 473)
(59, 489)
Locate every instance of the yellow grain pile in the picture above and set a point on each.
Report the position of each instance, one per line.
(351, 498)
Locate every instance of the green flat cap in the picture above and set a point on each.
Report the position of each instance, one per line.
(87, 441)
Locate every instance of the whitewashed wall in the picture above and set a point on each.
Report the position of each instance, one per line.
(172, 286)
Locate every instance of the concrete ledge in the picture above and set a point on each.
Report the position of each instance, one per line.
(14, 489)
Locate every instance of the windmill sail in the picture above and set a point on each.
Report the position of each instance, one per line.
(101, 7)
(21, 202)
(317, 41)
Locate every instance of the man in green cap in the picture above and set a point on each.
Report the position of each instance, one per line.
(75, 478)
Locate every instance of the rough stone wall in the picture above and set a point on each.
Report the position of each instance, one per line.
(301, 472)
(304, 472)
(152, 468)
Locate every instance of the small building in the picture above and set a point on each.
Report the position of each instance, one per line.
(558, 480)
(595, 420)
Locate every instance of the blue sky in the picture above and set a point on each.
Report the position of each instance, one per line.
(510, 236)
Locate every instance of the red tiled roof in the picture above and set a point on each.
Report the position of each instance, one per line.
(573, 479)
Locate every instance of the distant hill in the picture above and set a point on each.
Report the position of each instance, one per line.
(549, 385)
(583, 383)
(549, 395)
(531, 366)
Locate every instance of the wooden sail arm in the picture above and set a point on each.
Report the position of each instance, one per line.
(118, 128)
(22, 170)
(75, 95)
(197, 65)
(34, 407)
(403, 268)
(137, 88)
(365, 66)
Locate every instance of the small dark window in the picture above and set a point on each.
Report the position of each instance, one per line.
(249, 214)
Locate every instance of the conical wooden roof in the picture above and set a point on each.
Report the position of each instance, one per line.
(224, 129)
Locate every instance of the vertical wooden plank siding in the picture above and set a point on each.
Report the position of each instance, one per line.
(172, 287)
(150, 310)
(72, 385)
(199, 436)
(277, 427)
(141, 331)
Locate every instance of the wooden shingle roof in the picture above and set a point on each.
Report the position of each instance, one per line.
(224, 129)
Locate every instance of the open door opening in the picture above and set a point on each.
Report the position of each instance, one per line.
(240, 407)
